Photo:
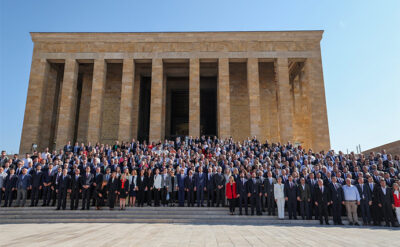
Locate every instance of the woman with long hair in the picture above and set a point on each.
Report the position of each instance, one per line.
(101, 192)
(231, 194)
(149, 186)
(123, 191)
(132, 188)
(280, 198)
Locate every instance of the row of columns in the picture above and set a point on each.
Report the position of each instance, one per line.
(127, 127)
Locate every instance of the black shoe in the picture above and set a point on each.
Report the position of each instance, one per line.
(296, 218)
(327, 223)
(356, 224)
(341, 224)
(351, 223)
(82, 208)
(57, 208)
(240, 213)
(321, 223)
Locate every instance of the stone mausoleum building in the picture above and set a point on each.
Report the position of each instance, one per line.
(102, 87)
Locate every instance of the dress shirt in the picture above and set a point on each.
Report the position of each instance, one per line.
(351, 193)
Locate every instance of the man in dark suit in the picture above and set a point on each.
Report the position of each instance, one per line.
(181, 187)
(337, 200)
(291, 197)
(269, 193)
(219, 185)
(241, 187)
(76, 188)
(62, 189)
(189, 187)
(254, 191)
(47, 182)
(98, 179)
(54, 185)
(68, 147)
(10, 186)
(37, 183)
(304, 197)
(86, 182)
(365, 200)
(374, 208)
(210, 188)
(385, 202)
(312, 182)
(141, 184)
(200, 186)
(112, 188)
(322, 201)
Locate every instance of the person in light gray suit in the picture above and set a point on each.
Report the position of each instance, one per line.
(172, 185)
(3, 176)
(164, 185)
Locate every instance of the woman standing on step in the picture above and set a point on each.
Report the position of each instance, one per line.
(280, 198)
(123, 191)
(132, 188)
(231, 194)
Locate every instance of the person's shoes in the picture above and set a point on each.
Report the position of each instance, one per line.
(296, 218)
(57, 208)
(340, 224)
(321, 223)
(31, 205)
(327, 223)
(356, 224)
(387, 225)
(82, 208)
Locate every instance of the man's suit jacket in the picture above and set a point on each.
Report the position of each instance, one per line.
(37, 178)
(180, 181)
(64, 183)
(337, 194)
(291, 192)
(113, 186)
(365, 192)
(24, 181)
(385, 199)
(98, 178)
(322, 197)
(373, 192)
(253, 187)
(87, 179)
(189, 183)
(210, 182)
(304, 194)
(76, 183)
(10, 182)
(242, 187)
(269, 187)
(200, 180)
(47, 178)
(219, 180)
(140, 182)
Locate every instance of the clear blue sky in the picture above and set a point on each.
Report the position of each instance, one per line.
(360, 50)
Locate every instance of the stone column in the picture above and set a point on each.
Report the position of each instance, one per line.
(319, 117)
(156, 100)
(224, 111)
(96, 101)
(135, 110)
(194, 98)
(253, 86)
(125, 113)
(285, 104)
(67, 111)
(34, 102)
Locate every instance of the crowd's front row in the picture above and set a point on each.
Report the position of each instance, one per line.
(306, 196)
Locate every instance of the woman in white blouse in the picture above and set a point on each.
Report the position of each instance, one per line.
(279, 195)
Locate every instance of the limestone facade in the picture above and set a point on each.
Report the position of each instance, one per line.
(90, 87)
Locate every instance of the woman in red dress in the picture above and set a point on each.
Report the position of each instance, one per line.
(123, 191)
(231, 194)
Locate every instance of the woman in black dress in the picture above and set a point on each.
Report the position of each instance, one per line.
(132, 188)
(149, 187)
(123, 191)
(100, 192)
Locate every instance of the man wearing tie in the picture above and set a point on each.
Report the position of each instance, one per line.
(242, 193)
(210, 188)
(190, 185)
(269, 193)
(200, 182)
(23, 184)
(98, 179)
(322, 201)
(9, 186)
(87, 181)
(37, 183)
(374, 208)
(219, 185)
(76, 188)
(291, 197)
(365, 202)
(312, 182)
(337, 200)
(62, 190)
(47, 182)
(181, 187)
(386, 202)
(254, 191)
(304, 197)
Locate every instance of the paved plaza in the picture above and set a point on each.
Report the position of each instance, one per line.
(192, 235)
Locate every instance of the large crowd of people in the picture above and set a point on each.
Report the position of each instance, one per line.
(255, 177)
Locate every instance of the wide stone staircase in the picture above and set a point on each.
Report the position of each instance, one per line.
(177, 215)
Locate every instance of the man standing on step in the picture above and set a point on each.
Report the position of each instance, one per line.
(76, 189)
(291, 197)
(200, 182)
(210, 187)
(37, 183)
(23, 185)
(219, 185)
(254, 191)
(269, 193)
(47, 183)
(190, 185)
(62, 190)
(337, 200)
(322, 201)
(86, 181)
(9, 188)
(181, 187)
(112, 188)
(241, 184)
